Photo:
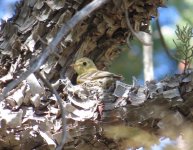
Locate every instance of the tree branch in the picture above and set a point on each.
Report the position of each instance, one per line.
(59, 100)
(132, 31)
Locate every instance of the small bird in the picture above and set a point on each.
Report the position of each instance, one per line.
(88, 73)
(92, 78)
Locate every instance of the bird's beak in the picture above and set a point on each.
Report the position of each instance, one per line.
(72, 65)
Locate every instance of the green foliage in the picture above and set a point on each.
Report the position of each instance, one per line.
(183, 45)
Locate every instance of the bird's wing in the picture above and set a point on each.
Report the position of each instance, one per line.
(103, 74)
(94, 75)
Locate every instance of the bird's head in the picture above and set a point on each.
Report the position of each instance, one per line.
(84, 65)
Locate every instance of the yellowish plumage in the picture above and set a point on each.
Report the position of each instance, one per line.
(88, 73)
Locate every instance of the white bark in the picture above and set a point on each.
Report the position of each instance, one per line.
(148, 59)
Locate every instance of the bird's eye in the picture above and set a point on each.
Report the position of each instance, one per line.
(84, 63)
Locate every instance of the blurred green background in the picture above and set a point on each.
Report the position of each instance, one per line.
(130, 62)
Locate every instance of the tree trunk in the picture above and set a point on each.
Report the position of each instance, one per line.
(148, 59)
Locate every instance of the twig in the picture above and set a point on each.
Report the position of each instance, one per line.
(164, 43)
(128, 43)
(45, 43)
(35, 65)
(59, 100)
(132, 30)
